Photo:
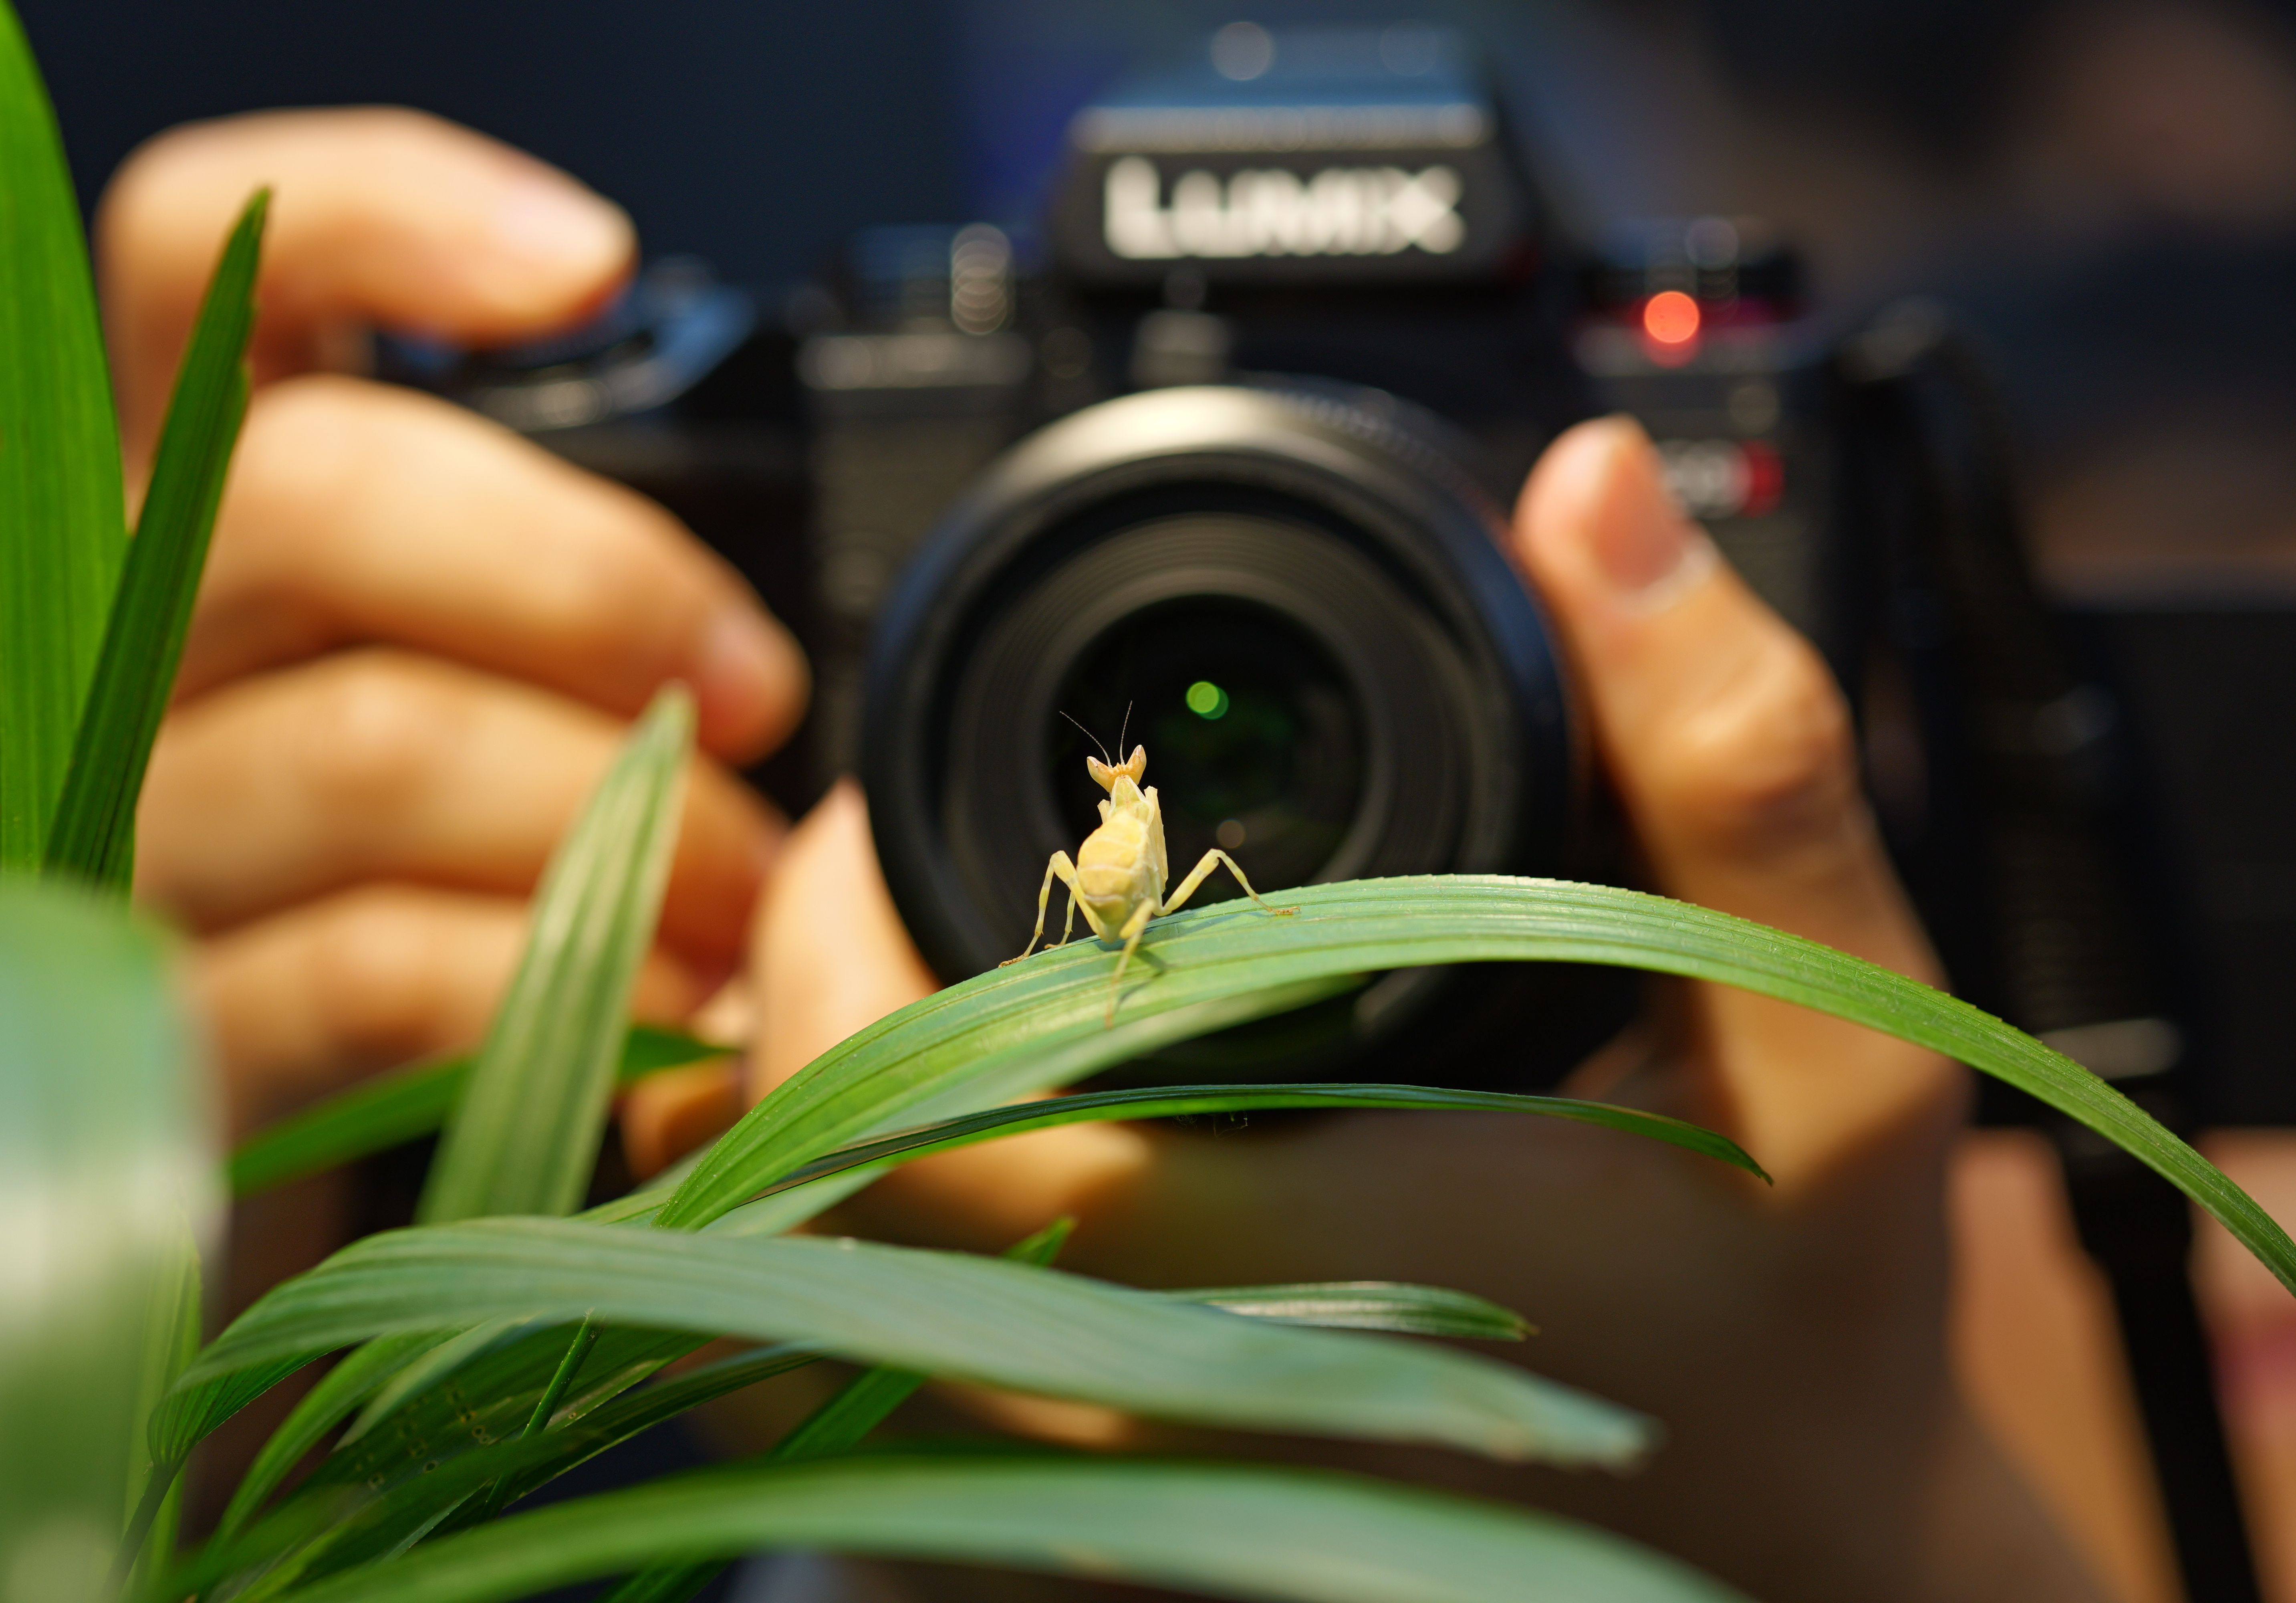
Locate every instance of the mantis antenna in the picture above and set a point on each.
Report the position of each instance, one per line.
(1089, 735)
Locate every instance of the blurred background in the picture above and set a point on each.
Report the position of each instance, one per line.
(2105, 189)
(2108, 189)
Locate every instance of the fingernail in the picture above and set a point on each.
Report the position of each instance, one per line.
(548, 219)
(1638, 536)
(748, 676)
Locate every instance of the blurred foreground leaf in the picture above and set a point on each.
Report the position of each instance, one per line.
(107, 1180)
(63, 530)
(525, 1134)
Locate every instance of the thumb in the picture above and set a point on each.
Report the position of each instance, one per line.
(1731, 748)
(377, 215)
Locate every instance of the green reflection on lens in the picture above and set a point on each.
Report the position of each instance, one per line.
(1207, 700)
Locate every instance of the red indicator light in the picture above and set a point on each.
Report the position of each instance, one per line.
(1670, 318)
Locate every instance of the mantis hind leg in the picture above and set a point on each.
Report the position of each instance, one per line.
(1133, 928)
(1202, 871)
(1064, 870)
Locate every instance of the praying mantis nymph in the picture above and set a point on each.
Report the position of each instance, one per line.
(1118, 874)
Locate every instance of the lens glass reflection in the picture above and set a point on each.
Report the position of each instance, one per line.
(1253, 736)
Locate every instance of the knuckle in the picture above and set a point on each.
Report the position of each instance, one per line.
(1767, 758)
(372, 732)
(392, 969)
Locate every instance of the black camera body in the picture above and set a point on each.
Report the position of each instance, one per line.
(1225, 450)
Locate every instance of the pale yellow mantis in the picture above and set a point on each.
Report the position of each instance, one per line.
(1119, 874)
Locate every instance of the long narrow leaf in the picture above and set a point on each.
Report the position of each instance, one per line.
(973, 1318)
(396, 1500)
(62, 528)
(475, 1410)
(968, 1088)
(93, 835)
(1222, 1530)
(525, 1134)
(1190, 1101)
(406, 1104)
(318, 1412)
(857, 1087)
(840, 1424)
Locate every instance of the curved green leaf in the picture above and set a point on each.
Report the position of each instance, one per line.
(1364, 926)
(380, 1507)
(981, 1320)
(524, 1137)
(1189, 1101)
(1222, 1530)
(319, 1410)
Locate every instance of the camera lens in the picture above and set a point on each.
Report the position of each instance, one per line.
(1294, 598)
(1252, 727)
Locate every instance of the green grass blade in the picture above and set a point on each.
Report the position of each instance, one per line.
(927, 1063)
(1364, 926)
(1368, 1305)
(63, 530)
(525, 1134)
(406, 1104)
(320, 1409)
(416, 1489)
(973, 1318)
(1031, 1066)
(104, 1159)
(839, 1425)
(1191, 1101)
(1224, 1530)
(92, 834)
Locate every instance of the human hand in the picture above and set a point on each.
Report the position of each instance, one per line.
(419, 636)
(1792, 1339)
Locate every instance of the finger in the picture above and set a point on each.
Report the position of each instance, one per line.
(378, 766)
(378, 215)
(1731, 748)
(830, 958)
(357, 513)
(303, 1003)
(668, 1114)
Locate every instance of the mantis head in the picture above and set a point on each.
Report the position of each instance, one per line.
(1134, 768)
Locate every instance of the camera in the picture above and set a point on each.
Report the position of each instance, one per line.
(1215, 460)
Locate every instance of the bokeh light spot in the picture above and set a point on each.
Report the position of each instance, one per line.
(1670, 318)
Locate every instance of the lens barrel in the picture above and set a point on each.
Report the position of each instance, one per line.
(1297, 596)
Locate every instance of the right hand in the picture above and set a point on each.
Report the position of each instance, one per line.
(419, 636)
(1791, 1338)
